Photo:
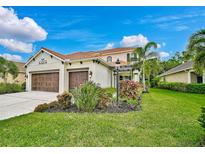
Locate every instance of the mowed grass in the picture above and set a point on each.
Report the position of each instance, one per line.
(168, 119)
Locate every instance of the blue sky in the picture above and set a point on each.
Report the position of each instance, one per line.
(69, 29)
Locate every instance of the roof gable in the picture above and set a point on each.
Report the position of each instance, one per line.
(179, 68)
(50, 52)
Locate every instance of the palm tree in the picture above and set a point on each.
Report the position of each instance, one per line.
(196, 50)
(143, 55)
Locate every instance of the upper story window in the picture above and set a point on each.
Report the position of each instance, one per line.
(128, 57)
(109, 59)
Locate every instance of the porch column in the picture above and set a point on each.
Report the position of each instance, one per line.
(203, 76)
(189, 76)
(136, 75)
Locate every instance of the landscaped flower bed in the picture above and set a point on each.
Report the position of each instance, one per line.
(91, 98)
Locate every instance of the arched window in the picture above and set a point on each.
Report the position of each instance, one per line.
(109, 59)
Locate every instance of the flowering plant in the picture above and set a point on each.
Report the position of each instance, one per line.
(130, 89)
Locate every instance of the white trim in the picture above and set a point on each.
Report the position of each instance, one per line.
(38, 53)
(87, 59)
(175, 72)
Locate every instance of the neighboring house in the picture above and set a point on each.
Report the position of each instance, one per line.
(182, 73)
(21, 76)
(51, 71)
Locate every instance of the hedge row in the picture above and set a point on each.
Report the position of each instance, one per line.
(10, 88)
(183, 87)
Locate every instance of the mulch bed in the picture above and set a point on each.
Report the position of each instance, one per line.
(120, 107)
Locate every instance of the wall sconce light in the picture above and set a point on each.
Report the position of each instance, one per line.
(90, 74)
(70, 64)
(26, 76)
(81, 62)
(51, 56)
(62, 62)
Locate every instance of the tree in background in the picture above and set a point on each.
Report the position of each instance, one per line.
(196, 50)
(8, 67)
(144, 55)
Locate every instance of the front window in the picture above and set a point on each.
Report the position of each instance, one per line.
(109, 59)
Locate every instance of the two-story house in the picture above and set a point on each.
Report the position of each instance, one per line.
(51, 71)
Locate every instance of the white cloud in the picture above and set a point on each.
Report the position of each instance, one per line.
(158, 45)
(15, 45)
(11, 57)
(181, 27)
(26, 29)
(134, 41)
(163, 54)
(109, 46)
(163, 44)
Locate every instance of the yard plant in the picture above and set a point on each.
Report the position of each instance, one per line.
(87, 96)
(168, 118)
(10, 88)
(183, 87)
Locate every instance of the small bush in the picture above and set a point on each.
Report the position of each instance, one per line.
(202, 118)
(183, 87)
(64, 100)
(87, 96)
(154, 82)
(105, 99)
(41, 107)
(110, 90)
(23, 85)
(130, 89)
(10, 88)
(196, 88)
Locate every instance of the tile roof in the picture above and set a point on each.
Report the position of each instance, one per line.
(54, 53)
(179, 68)
(89, 54)
(21, 67)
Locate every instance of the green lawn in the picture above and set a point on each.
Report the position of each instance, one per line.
(168, 119)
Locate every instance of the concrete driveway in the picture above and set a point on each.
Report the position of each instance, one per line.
(15, 104)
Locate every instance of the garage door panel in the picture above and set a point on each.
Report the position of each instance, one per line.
(77, 78)
(45, 82)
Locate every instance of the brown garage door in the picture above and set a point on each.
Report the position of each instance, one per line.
(45, 82)
(77, 78)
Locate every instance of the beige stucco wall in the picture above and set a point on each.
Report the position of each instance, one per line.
(121, 56)
(52, 64)
(100, 73)
(177, 77)
(19, 79)
(193, 78)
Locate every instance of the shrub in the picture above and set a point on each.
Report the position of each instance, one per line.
(130, 89)
(196, 88)
(154, 82)
(105, 99)
(202, 118)
(10, 88)
(110, 90)
(87, 96)
(23, 85)
(64, 100)
(183, 87)
(41, 107)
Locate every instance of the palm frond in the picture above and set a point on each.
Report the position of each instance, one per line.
(150, 45)
(196, 42)
(152, 55)
(198, 34)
